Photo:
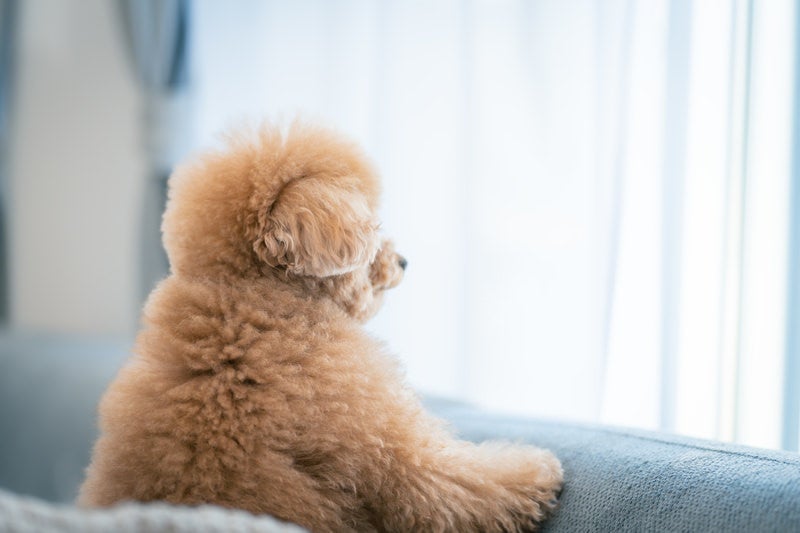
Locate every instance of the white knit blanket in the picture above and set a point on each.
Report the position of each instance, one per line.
(25, 515)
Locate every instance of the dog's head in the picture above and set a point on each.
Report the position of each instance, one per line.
(299, 207)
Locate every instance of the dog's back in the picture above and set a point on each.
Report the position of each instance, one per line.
(229, 385)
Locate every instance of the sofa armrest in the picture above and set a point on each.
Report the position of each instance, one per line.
(628, 480)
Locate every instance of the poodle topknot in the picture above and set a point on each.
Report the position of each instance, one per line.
(252, 383)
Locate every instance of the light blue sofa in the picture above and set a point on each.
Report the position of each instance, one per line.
(616, 479)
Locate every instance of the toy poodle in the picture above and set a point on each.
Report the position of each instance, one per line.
(253, 384)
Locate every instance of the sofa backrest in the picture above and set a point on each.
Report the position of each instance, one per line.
(49, 389)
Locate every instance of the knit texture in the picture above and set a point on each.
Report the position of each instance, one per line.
(23, 515)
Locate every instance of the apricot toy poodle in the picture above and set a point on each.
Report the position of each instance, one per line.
(253, 384)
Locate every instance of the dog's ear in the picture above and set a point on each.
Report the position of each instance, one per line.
(317, 228)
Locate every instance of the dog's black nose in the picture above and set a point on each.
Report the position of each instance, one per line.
(402, 262)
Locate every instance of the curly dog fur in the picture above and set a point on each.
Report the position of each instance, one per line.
(254, 386)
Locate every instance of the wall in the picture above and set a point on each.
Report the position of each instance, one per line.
(76, 172)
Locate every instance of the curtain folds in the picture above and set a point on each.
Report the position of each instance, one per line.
(8, 16)
(157, 37)
(593, 194)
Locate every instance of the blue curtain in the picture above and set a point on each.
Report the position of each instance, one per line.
(8, 13)
(157, 35)
(791, 385)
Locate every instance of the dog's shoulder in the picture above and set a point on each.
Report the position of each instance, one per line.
(202, 323)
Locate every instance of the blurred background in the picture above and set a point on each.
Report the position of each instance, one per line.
(599, 199)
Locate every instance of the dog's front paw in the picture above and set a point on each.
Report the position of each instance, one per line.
(529, 481)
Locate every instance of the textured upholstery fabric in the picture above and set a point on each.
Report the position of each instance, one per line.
(616, 480)
(625, 480)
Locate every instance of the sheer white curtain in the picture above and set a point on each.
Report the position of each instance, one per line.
(698, 311)
(592, 194)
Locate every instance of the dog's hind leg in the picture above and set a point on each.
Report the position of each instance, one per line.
(459, 486)
(276, 487)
